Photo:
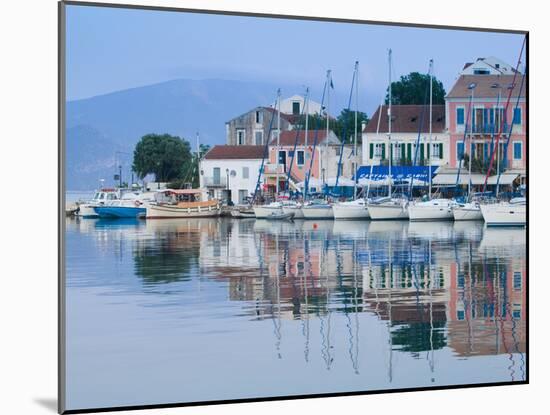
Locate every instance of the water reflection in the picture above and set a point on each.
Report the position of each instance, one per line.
(353, 292)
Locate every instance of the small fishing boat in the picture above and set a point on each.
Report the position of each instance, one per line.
(280, 216)
(263, 211)
(243, 212)
(435, 209)
(389, 209)
(102, 196)
(182, 203)
(317, 209)
(467, 211)
(511, 213)
(355, 209)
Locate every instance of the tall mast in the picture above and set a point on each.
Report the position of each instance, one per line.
(355, 130)
(278, 141)
(470, 145)
(306, 112)
(389, 126)
(198, 158)
(430, 136)
(498, 146)
(329, 83)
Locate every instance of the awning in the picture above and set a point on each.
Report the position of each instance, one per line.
(342, 181)
(399, 173)
(449, 179)
(505, 179)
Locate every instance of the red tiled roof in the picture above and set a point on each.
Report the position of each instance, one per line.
(406, 118)
(235, 152)
(485, 86)
(289, 137)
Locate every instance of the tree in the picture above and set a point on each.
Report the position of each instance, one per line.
(346, 121)
(414, 88)
(191, 174)
(167, 157)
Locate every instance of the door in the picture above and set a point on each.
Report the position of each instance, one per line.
(243, 193)
(282, 159)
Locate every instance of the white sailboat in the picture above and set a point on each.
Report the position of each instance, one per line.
(467, 211)
(293, 207)
(263, 211)
(317, 209)
(512, 213)
(432, 209)
(389, 208)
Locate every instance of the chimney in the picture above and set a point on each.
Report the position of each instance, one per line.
(363, 126)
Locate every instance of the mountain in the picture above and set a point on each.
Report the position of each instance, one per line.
(101, 126)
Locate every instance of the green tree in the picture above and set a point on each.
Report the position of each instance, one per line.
(346, 121)
(167, 157)
(411, 89)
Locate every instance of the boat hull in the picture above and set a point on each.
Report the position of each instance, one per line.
(119, 211)
(465, 213)
(318, 212)
(504, 214)
(164, 211)
(388, 212)
(243, 214)
(296, 210)
(425, 213)
(342, 212)
(87, 211)
(263, 212)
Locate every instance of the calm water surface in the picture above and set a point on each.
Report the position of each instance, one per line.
(167, 311)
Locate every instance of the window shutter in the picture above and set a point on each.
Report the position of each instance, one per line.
(390, 149)
(422, 152)
(402, 151)
(383, 150)
(440, 150)
(371, 150)
(428, 151)
(409, 151)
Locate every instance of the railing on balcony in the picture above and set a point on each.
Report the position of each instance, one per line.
(490, 128)
(214, 182)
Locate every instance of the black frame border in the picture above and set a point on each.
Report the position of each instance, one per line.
(61, 203)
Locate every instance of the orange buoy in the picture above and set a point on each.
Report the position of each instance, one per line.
(314, 226)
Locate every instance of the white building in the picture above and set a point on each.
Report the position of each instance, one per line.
(407, 122)
(487, 66)
(295, 105)
(231, 172)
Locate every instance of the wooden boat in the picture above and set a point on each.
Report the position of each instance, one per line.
(182, 203)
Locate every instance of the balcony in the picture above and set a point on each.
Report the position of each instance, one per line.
(215, 182)
(272, 168)
(489, 129)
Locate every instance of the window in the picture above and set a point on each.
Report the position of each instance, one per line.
(300, 157)
(517, 281)
(240, 137)
(460, 116)
(459, 150)
(338, 150)
(481, 72)
(217, 175)
(296, 108)
(259, 117)
(517, 116)
(245, 172)
(517, 150)
(460, 314)
(258, 137)
(380, 150)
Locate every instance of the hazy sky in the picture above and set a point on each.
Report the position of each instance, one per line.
(111, 49)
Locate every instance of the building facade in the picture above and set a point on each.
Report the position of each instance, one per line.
(231, 172)
(480, 121)
(408, 123)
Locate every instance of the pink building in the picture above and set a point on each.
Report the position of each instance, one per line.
(483, 119)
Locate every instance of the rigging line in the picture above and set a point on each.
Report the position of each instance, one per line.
(265, 154)
(315, 139)
(506, 109)
(470, 103)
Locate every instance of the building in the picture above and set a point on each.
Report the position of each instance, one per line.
(326, 157)
(486, 118)
(252, 127)
(230, 172)
(408, 121)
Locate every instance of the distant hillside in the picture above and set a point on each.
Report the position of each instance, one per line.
(98, 127)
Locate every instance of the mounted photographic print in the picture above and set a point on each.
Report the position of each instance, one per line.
(257, 206)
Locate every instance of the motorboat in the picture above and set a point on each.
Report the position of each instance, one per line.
(317, 209)
(434, 209)
(102, 196)
(512, 213)
(182, 203)
(280, 216)
(121, 209)
(389, 209)
(354, 209)
(263, 211)
(467, 211)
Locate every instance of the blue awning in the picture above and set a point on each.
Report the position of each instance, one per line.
(398, 172)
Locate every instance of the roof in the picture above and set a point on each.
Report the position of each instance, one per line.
(487, 86)
(235, 152)
(289, 137)
(406, 119)
(291, 118)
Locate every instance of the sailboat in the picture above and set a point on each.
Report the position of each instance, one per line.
(432, 209)
(512, 213)
(356, 208)
(389, 208)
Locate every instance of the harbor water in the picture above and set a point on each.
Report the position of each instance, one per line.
(183, 310)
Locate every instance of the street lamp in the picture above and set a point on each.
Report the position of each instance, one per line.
(227, 184)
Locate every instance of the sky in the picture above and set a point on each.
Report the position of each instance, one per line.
(110, 49)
